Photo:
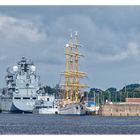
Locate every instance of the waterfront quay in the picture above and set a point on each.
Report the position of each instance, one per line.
(120, 109)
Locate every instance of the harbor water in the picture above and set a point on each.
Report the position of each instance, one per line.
(59, 124)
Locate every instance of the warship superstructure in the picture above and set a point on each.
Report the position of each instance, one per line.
(23, 85)
(72, 102)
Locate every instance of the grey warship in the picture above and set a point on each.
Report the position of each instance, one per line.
(22, 87)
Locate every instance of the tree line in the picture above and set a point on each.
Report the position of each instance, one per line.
(101, 96)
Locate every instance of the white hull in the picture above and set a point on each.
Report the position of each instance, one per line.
(72, 109)
(47, 111)
(43, 110)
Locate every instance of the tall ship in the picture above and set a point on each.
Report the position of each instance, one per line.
(72, 100)
(23, 86)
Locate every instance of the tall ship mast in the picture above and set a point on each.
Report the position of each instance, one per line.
(23, 86)
(72, 102)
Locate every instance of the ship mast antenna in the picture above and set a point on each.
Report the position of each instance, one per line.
(76, 67)
(71, 66)
(67, 69)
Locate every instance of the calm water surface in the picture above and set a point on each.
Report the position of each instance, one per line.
(57, 124)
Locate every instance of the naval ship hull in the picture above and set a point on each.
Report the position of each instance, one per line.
(10, 105)
(72, 109)
(23, 106)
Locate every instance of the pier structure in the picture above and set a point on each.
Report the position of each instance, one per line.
(120, 109)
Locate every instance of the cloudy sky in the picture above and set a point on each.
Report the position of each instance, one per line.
(110, 36)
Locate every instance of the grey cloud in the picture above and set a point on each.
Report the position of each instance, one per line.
(110, 38)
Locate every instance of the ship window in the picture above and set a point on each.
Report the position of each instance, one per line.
(47, 99)
(26, 98)
(17, 98)
(34, 98)
(45, 107)
(50, 106)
